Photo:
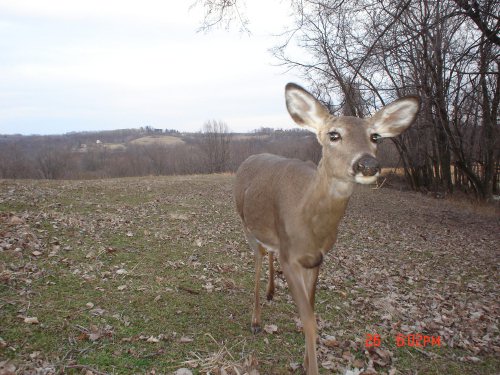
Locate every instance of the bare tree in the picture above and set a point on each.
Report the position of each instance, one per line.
(215, 143)
(52, 162)
(14, 162)
(482, 14)
(222, 12)
(365, 53)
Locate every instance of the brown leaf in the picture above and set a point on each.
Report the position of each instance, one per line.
(94, 336)
(31, 320)
(329, 365)
(15, 220)
(330, 342)
(347, 355)
(97, 311)
(7, 368)
(369, 371)
(183, 371)
(270, 328)
(358, 363)
(295, 366)
(35, 354)
(469, 359)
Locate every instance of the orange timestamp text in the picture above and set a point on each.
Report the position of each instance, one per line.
(417, 340)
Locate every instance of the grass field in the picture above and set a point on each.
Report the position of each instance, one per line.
(150, 275)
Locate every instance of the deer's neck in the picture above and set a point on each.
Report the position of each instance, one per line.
(328, 188)
(325, 203)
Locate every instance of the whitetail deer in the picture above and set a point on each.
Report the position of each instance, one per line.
(293, 208)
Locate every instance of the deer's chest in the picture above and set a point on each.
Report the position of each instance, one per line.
(323, 225)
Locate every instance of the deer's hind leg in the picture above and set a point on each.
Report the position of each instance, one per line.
(270, 283)
(259, 252)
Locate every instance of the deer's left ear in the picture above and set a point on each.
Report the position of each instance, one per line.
(396, 117)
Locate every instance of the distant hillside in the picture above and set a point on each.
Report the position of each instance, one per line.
(118, 136)
(148, 151)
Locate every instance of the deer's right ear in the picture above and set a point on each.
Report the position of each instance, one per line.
(304, 108)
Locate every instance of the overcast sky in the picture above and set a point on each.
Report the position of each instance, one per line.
(114, 64)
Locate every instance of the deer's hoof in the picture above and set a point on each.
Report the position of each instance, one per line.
(255, 328)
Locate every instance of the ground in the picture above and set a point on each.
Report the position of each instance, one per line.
(150, 275)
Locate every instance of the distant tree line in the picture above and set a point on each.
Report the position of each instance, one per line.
(214, 150)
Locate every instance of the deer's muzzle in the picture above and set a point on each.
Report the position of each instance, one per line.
(366, 165)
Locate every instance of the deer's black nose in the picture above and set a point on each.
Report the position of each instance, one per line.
(367, 165)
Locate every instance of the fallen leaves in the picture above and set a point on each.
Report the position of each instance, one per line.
(422, 288)
(330, 342)
(183, 371)
(271, 328)
(7, 368)
(97, 311)
(94, 332)
(152, 339)
(15, 220)
(208, 287)
(402, 263)
(469, 359)
(31, 320)
(379, 356)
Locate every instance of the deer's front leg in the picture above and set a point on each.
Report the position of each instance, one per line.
(310, 277)
(311, 280)
(296, 277)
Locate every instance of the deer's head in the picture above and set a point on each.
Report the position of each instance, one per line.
(350, 143)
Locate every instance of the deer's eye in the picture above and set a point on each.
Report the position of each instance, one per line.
(375, 137)
(334, 136)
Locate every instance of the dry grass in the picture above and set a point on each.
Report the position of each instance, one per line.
(114, 146)
(162, 140)
(250, 137)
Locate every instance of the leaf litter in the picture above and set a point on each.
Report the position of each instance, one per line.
(404, 263)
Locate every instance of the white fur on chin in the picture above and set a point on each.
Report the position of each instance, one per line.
(365, 180)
